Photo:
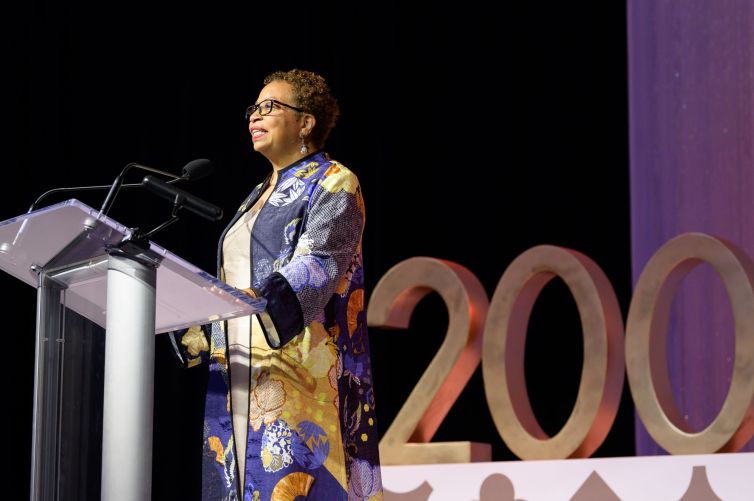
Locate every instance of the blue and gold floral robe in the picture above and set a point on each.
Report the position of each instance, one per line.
(311, 427)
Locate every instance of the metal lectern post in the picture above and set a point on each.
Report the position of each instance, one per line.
(129, 380)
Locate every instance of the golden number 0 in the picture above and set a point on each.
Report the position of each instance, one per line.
(646, 345)
(503, 354)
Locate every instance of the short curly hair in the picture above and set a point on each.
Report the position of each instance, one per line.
(311, 93)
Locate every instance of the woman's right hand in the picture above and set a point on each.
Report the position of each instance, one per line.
(249, 292)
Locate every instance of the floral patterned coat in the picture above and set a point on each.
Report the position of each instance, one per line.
(311, 428)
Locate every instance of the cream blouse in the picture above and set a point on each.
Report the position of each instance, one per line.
(236, 265)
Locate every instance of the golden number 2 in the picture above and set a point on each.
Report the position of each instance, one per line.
(391, 304)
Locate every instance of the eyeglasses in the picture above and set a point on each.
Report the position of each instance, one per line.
(265, 107)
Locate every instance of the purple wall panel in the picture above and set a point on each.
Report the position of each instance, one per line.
(691, 85)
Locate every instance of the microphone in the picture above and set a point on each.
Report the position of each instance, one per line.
(196, 169)
(183, 199)
(115, 187)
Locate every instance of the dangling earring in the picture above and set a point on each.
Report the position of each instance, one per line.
(304, 150)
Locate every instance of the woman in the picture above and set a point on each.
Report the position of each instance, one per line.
(292, 413)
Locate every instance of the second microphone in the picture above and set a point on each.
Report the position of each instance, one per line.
(183, 199)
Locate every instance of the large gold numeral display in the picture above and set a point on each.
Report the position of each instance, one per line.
(501, 348)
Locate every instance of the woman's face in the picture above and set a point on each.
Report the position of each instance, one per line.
(276, 135)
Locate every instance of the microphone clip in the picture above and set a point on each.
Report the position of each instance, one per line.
(142, 239)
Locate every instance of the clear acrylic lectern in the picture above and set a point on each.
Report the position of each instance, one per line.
(77, 259)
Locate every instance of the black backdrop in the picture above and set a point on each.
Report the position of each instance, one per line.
(476, 135)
